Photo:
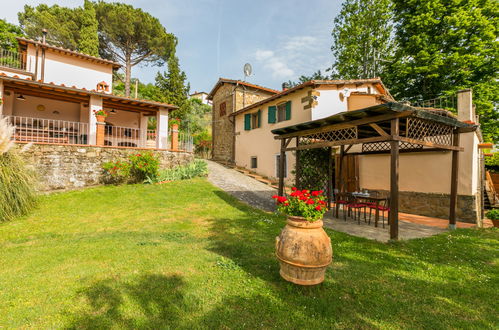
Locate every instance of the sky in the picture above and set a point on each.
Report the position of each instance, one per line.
(281, 39)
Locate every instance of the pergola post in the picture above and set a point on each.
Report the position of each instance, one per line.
(281, 167)
(340, 175)
(329, 178)
(297, 165)
(394, 182)
(454, 181)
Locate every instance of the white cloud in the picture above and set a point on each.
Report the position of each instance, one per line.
(275, 64)
(299, 43)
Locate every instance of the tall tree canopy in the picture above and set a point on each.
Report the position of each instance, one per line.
(362, 39)
(8, 34)
(69, 28)
(444, 46)
(132, 36)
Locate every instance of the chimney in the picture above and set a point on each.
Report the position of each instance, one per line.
(44, 36)
(284, 86)
(465, 110)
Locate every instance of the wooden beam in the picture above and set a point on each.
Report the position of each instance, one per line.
(454, 182)
(281, 168)
(51, 96)
(394, 182)
(428, 144)
(380, 152)
(353, 123)
(378, 129)
(348, 148)
(340, 143)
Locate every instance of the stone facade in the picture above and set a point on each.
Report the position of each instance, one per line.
(64, 167)
(227, 99)
(437, 205)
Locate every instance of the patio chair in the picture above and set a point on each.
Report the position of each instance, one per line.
(341, 199)
(356, 207)
(384, 206)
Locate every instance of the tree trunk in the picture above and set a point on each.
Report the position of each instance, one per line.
(128, 74)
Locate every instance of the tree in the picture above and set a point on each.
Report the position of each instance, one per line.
(131, 36)
(445, 47)
(318, 75)
(175, 89)
(8, 34)
(69, 28)
(362, 39)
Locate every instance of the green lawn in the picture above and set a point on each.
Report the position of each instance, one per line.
(186, 255)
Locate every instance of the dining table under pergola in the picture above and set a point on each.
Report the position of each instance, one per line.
(389, 128)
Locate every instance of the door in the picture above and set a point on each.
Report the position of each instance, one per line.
(348, 179)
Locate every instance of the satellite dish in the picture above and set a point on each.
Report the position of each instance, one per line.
(247, 70)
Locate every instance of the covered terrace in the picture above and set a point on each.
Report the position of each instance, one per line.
(390, 128)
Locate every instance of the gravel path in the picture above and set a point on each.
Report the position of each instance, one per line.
(244, 188)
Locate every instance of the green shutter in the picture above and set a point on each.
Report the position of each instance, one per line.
(288, 110)
(272, 114)
(259, 119)
(247, 122)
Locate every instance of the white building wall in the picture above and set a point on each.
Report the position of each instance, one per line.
(330, 102)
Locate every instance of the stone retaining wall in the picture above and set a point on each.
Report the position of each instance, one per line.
(62, 167)
(437, 205)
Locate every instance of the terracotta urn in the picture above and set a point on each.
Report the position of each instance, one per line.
(304, 251)
(100, 118)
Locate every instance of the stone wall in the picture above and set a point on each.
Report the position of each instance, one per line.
(437, 205)
(62, 167)
(235, 98)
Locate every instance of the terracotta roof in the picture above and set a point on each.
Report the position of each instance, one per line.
(83, 91)
(314, 83)
(23, 41)
(238, 82)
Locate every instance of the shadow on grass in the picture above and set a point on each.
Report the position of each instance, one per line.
(151, 301)
(369, 283)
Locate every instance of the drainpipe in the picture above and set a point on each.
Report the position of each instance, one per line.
(44, 37)
(36, 63)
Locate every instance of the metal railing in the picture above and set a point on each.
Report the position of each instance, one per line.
(12, 59)
(185, 142)
(29, 129)
(119, 136)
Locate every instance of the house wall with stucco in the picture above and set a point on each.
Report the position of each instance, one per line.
(62, 68)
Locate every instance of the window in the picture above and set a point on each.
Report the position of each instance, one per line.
(277, 160)
(254, 162)
(223, 109)
(255, 119)
(281, 112)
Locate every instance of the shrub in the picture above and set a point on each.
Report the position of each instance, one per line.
(143, 166)
(17, 187)
(194, 169)
(137, 168)
(493, 214)
(116, 172)
(492, 163)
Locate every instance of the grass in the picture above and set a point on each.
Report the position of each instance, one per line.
(186, 255)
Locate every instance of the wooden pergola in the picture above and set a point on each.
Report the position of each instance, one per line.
(390, 128)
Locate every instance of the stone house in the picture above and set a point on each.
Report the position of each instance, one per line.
(425, 192)
(229, 96)
(50, 94)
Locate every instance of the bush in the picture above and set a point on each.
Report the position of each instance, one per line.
(492, 163)
(17, 187)
(138, 168)
(493, 214)
(143, 166)
(194, 169)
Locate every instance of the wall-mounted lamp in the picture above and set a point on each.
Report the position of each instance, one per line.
(21, 98)
(113, 112)
(55, 112)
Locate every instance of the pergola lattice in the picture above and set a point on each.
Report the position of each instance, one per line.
(386, 128)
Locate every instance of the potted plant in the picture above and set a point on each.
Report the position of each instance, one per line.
(303, 247)
(174, 124)
(494, 216)
(100, 115)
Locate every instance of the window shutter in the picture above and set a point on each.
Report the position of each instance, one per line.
(247, 122)
(259, 119)
(288, 110)
(272, 114)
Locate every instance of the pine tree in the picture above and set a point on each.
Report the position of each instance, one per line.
(88, 41)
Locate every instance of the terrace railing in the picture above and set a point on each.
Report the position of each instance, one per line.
(185, 142)
(119, 136)
(29, 129)
(12, 59)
